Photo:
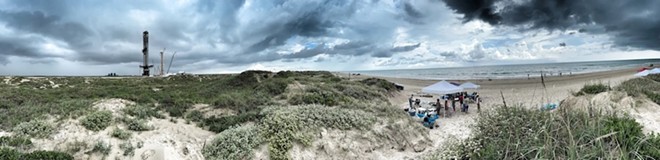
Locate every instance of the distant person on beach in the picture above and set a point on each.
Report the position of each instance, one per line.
(478, 103)
(461, 97)
(410, 100)
(453, 104)
(438, 106)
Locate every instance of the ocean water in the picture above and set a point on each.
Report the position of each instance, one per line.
(512, 71)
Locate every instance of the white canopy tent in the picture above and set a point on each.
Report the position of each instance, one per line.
(642, 73)
(469, 85)
(442, 87)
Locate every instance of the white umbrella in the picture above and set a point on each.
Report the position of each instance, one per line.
(469, 85)
(442, 87)
(642, 73)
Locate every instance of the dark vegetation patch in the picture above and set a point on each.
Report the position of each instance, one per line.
(12, 154)
(654, 77)
(380, 83)
(593, 89)
(520, 133)
(20, 142)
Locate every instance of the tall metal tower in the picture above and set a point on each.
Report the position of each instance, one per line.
(161, 62)
(145, 53)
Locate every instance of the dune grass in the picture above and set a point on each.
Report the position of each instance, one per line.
(520, 133)
(647, 86)
(593, 89)
(12, 154)
(18, 142)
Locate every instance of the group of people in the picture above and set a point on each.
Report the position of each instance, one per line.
(460, 98)
(455, 99)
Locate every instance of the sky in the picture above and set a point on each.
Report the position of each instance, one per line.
(97, 37)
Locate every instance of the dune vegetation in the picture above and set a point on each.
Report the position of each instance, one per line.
(518, 132)
(279, 110)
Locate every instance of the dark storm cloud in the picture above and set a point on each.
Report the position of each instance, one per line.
(48, 25)
(232, 32)
(634, 23)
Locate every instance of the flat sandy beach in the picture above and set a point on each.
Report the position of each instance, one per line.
(528, 92)
(519, 90)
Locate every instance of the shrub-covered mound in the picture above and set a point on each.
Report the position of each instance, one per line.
(648, 86)
(282, 127)
(519, 133)
(593, 89)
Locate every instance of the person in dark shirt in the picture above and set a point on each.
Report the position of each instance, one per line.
(410, 100)
(438, 106)
(461, 97)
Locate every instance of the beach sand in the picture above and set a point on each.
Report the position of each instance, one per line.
(522, 91)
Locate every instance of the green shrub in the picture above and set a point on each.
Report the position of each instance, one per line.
(195, 116)
(101, 147)
(75, 147)
(286, 125)
(273, 86)
(9, 154)
(97, 121)
(243, 101)
(175, 108)
(360, 92)
(287, 74)
(120, 134)
(380, 83)
(49, 155)
(141, 111)
(319, 95)
(593, 89)
(37, 129)
(654, 77)
(16, 141)
(655, 97)
(137, 124)
(248, 78)
(628, 131)
(234, 143)
(128, 149)
(652, 147)
(219, 124)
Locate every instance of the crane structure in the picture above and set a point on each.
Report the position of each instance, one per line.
(171, 60)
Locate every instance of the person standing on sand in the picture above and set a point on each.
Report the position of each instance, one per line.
(461, 98)
(478, 103)
(410, 101)
(438, 106)
(453, 103)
